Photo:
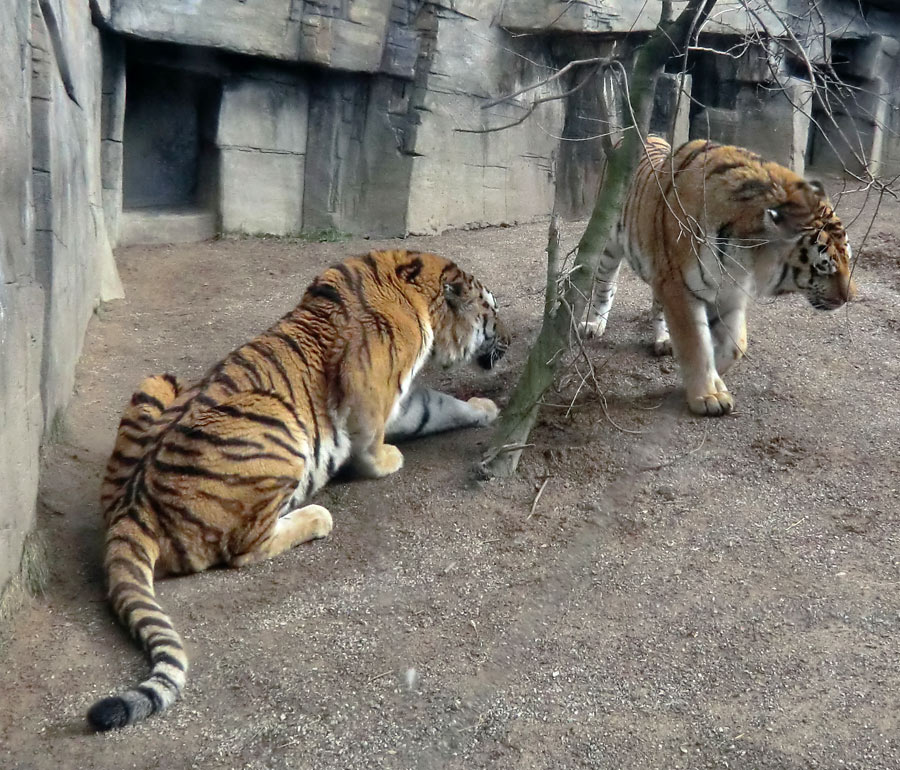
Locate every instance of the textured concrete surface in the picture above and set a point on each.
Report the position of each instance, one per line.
(154, 226)
(466, 179)
(261, 138)
(21, 297)
(55, 259)
(72, 251)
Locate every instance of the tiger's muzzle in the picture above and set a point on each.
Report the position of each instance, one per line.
(493, 349)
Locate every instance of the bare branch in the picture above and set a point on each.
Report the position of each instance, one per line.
(555, 76)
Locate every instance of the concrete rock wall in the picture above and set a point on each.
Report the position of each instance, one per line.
(72, 251)
(392, 133)
(55, 258)
(262, 144)
(21, 296)
(465, 179)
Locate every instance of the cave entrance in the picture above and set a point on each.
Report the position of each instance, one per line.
(170, 161)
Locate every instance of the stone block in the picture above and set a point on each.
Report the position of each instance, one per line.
(592, 16)
(270, 28)
(868, 58)
(456, 171)
(671, 102)
(764, 121)
(21, 416)
(357, 168)
(152, 227)
(261, 192)
(355, 44)
(264, 115)
(348, 36)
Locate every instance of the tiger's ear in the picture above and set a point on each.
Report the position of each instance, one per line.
(816, 186)
(453, 293)
(780, 224)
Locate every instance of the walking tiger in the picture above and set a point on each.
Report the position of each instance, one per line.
(709, 227)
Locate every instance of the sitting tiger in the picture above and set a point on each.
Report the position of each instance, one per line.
(709, 227)
(219, 472)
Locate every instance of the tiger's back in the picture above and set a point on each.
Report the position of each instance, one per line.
(218, 472)
(708, 227)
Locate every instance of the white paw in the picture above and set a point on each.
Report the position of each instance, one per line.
(712, 404)
(593, 329)
(488, 408)
(320, 520)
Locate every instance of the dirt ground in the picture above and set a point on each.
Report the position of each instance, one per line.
(687, 593)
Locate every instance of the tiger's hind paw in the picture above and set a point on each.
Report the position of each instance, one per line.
(489, 410)
(662, 348)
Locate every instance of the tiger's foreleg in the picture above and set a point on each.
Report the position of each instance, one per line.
(426, 411)
(378, 459)
(692, 342)
(605, 284)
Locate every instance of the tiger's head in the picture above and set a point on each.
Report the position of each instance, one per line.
(465, 322)
(819, 265)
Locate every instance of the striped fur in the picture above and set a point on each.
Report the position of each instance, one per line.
(709, 227)
(219, 472)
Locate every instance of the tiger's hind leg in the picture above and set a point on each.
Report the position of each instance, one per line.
(605, 284)
(300, 525)
(140, 421)
(426, 411)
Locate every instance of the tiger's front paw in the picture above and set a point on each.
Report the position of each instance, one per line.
(593, 329)
(488, 410)
(662, 348)
(712, 404)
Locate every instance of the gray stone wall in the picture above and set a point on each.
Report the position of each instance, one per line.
(72, 251)
(390, 131)
(465, 179)
(21, 296)
(55, 259)
(261, 138)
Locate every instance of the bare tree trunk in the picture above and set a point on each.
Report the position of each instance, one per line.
(554, 339)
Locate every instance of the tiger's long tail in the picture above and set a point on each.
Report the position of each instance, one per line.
(131, 553)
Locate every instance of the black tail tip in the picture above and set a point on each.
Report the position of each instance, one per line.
(108, 714)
